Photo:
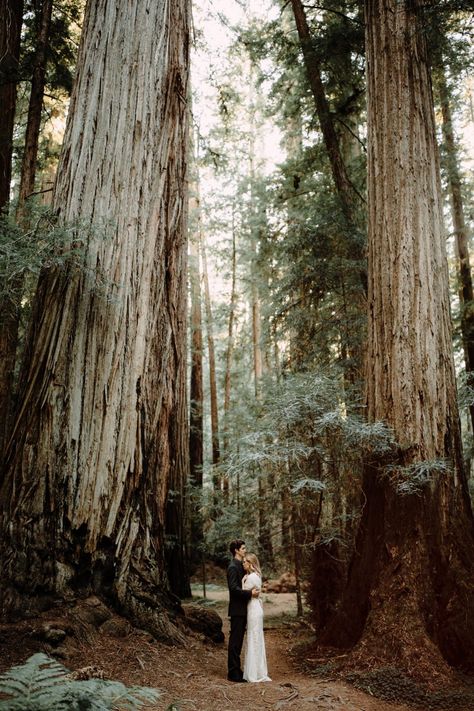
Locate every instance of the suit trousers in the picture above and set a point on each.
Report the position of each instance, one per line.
(238, 624)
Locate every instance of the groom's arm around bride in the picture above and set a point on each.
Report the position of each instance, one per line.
(238, 600)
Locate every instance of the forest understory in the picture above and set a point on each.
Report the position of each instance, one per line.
(192, 677)
(236, 305)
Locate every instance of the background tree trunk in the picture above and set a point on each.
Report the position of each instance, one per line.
(196, 428)
(348, 196)
(11, 16)
(460, 231)
(410, 587)
(98, 439)
(229, 354)
(313, 70)
(212, 360)
(35, 107)
(11, 309)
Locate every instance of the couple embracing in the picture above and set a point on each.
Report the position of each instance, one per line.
(244, 579)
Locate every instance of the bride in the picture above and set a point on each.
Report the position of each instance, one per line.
(255, 667)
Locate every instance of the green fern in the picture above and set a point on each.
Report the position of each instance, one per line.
(41, 684)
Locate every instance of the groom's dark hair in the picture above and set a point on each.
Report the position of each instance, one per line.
(235, 545)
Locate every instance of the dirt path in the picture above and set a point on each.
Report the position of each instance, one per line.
(194, 678)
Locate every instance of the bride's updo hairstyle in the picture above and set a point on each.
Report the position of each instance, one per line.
(254, 564)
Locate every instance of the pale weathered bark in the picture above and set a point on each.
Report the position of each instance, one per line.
(99, 436)
(410, 590)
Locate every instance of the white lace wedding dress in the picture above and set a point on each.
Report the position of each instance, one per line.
(255, 667)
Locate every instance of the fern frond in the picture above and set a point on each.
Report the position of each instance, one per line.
(41, 684)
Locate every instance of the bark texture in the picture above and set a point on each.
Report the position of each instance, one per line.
(98, 440)
(460, 230)
(410, 591)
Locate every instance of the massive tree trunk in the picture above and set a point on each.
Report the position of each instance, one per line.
(11, 16)
(410, 588)
(98, 438)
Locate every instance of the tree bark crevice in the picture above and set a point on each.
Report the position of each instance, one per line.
(409, 597)
(99, 452)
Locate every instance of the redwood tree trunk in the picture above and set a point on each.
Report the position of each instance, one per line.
(196, 389)
(11, 308)
(461, 232)
(99, 436)
(410, 587)
(229, 355)
(35, 107)
(11, 16)
(212, 361)
(230, 336)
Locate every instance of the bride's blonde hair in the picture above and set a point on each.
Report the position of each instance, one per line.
(254, 564)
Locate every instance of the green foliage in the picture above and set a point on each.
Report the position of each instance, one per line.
(302, 437)
(414, 478)
(41, 684)
(46, 244)
(62, 46)
(307, 485)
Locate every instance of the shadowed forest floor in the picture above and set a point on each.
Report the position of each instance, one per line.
(194, 678)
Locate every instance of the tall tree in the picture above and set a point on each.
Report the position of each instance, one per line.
(460, 228)
(230, 333)
(35, 107)
(11, 15)
(11, 309)
(100, 436)
(313, 69)
(212, 359)
(411, 583)
(196, 389)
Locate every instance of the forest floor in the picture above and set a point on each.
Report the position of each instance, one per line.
(193, 678)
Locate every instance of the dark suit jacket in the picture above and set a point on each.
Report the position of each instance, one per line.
(238, 598)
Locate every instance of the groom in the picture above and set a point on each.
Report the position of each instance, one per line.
(238, 600)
